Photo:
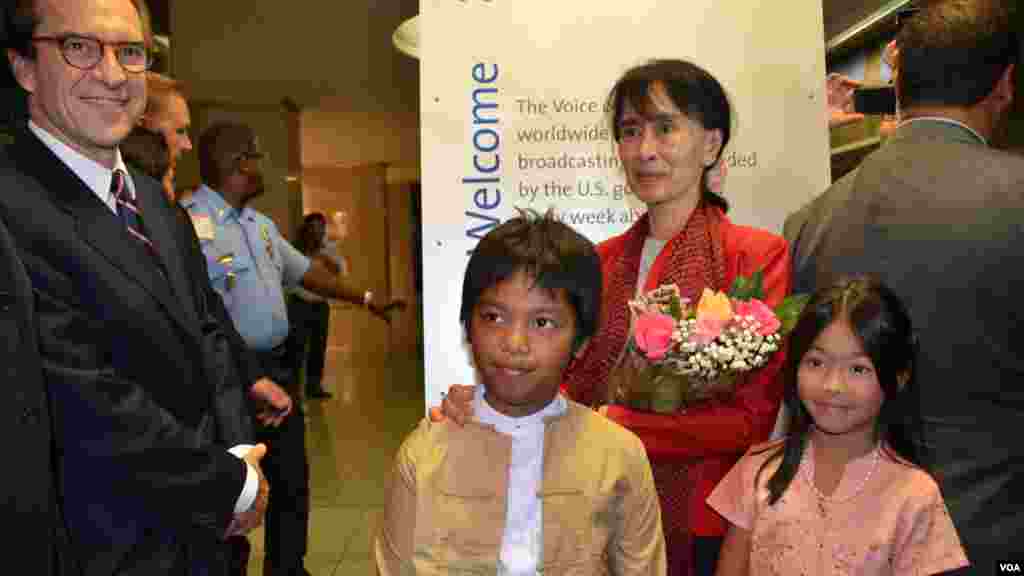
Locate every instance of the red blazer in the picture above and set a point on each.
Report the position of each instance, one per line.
(717, 434)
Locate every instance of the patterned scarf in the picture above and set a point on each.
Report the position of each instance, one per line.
(695, 261)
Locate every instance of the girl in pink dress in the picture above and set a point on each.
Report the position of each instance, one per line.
(844, 493)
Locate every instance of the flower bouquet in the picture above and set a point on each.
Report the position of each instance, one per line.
(682, 353)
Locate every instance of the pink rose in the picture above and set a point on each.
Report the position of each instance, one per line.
(768, 322)
(708, 328)
(653, 334)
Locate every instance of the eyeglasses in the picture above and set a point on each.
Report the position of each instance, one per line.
(85, 53)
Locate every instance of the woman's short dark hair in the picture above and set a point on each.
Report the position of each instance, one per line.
(550, 252)
(147, 151)
(692, 89)
(881, 322)
(952, 53)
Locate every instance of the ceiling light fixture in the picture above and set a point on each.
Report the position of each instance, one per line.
(407, 37)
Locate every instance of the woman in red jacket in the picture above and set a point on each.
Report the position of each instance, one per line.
(671, 121)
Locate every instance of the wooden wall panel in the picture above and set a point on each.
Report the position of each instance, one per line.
(361, 192)
(405, 326)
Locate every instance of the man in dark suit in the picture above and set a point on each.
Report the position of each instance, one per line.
(939, 216)
(28, 499)
(146, 394)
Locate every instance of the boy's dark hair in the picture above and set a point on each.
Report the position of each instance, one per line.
(882, 324)
(554, 255)
(692, 89)
(953, 52)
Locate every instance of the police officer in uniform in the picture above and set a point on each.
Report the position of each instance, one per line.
(250, 264)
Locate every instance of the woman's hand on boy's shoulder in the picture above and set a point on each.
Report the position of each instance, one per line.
(457, 405)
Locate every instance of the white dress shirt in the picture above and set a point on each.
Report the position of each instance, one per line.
(97, 178)
(521, 542)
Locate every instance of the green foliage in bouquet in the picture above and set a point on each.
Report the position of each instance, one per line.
(752, 287)
(790, 309)
(748, 287)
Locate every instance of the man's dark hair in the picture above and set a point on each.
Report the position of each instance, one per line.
(147, 151)
(220, 147)
(20, 22)
(554, 255)
(21, 17)
(904, 14)
(953, 52)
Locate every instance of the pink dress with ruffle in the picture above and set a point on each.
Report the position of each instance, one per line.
(896, 524)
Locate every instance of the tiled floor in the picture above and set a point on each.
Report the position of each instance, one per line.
(352, 439)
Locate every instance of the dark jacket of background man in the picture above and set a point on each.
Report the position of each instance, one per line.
(939, 215)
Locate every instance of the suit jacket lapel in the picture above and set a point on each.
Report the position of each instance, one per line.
(159, 223)
(96, 224)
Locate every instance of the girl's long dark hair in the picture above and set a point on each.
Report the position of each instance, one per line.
(881, 322)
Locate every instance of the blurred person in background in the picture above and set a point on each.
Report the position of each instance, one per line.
(309, 312)
(167, 114)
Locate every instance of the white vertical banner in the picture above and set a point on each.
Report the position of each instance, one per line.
(513, 116)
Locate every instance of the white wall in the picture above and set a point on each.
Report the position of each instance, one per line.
(770, 60)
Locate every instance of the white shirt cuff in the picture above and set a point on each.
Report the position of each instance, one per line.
(252, 480)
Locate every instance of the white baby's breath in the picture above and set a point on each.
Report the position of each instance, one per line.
(740, 347)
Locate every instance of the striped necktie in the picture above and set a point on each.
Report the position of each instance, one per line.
(128, 210)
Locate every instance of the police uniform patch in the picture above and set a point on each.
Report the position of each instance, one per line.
(230, 278)
(265, 233)
(204, 226)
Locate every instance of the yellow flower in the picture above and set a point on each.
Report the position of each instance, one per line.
(714, 306)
